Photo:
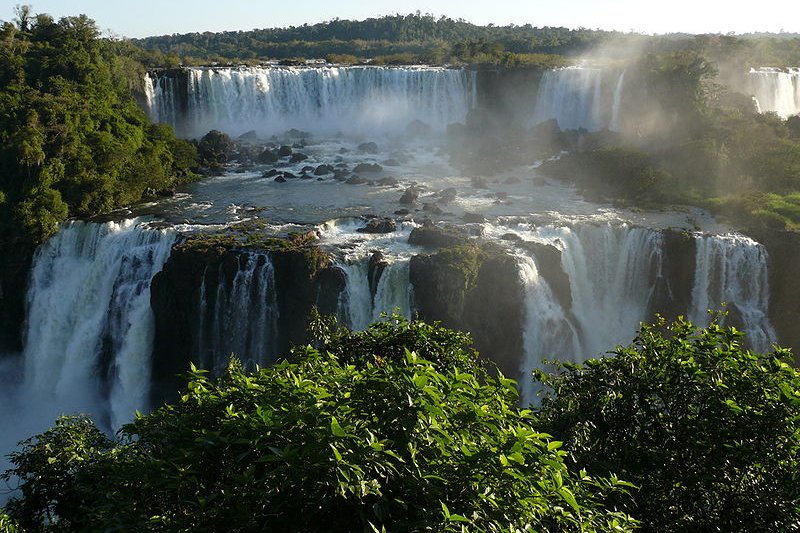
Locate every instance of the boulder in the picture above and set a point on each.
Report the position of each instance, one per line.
(280, 179)
(368, 148)
(378, 225)
(410, 196)
(367, 168)
(285, 151)
(269, 173)
(298, 157)
(430, 235)
(248, 136)
(391, 162)
(388, 182)
(473, 218)
(323, 170)
(355, 180)
(307, 168)
(432, 208)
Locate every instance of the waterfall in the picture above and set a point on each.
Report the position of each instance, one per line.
(242, 316)
(776, 90)
(616, 107)
(359, 100)
(613, 273)
(579, 97)
(89, 328)
(358, 307)
(732, 269)
(162, 98)
(548, 332)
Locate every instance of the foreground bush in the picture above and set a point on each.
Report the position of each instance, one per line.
(394, 439)
(708, 431)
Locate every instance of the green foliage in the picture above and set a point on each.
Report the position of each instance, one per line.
(707, 430)
(73, 141)
(215, 148)
(621, 173)
(388, 441)
(6, 524)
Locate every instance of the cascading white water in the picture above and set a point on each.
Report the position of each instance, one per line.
(616, 106)
(357, 306)
(732, 269)
(242, 318)
(355, 100)
(88, 306)
(162, 97)
(613, 272)
(579, 97)
(548, 333)
(776, 90)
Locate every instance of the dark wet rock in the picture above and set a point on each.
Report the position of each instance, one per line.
(344, 151)
(448, 195)
(388, 181)
(297, 157)
(479, 183)
(539, 181)
(341, 175)
(391, 162)
(248, 136)
(474, 218)
(429, 235)
(269, 173)
(476, 290)
(342, 165)
(512, 180)
(410, 196)
(402, 212)
(377, 264)
(305, 176)
(307, 168)
(323, 170)
(432, 208)
(501, 195)
(285, 151)
(513, 237)
(320, 179)
(368, 148)
(355, 180)
(280, 179)
(366, 168)
(378, 225)
(289, 175)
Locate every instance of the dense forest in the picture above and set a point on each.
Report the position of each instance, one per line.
(426, 39)
(73, 140)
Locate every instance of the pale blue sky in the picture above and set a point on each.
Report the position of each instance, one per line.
(139, 18)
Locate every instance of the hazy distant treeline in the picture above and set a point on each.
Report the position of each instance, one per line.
(427, 39)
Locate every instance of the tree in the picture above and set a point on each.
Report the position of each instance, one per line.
(388, 440)
(708, 431)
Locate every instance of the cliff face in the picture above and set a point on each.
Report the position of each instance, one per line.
(197, 316)
(784, 264)
(477, 291)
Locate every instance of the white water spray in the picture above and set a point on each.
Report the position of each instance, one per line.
(776, 90)
(88, 308)
(732, 269)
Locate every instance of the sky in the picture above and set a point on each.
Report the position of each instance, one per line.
(141, 18)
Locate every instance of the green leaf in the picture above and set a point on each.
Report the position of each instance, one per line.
(336, 429)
